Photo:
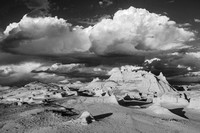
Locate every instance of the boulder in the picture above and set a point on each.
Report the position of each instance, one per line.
(85, 119)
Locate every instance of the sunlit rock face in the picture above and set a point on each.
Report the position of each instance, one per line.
(126, 81)
(142, 81)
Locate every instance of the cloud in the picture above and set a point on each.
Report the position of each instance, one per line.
(9, 58)
(185, 25)
(197, 20)
(14, 74)
(131, 31)
(65, 67)
(105, 3)
(18, 69)
(48, 78)
(184, 67)
(60, 68)
(187, 59)
(74, 69)
(1, 34)
(136, 30)
(44, 35)
(149, 61)
(194, 54)
(37, 7)
(37, 4)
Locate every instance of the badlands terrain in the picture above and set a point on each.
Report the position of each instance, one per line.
(130, 100)
(99, 66)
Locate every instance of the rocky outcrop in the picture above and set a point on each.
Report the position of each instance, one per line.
(128, 82)
(141, 81)
(36, 93)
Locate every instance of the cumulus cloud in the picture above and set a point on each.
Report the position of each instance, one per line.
(44, 35)
(135, 30)
(131, 31)
(197, 20)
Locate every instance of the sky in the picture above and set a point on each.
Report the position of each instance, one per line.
(97, 33)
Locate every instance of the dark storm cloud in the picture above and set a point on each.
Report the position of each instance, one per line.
(11, 58)
(189, 58)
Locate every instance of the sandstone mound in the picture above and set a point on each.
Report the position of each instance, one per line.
(129, 84)
(128, 81)
(142, 81)
(36, 93)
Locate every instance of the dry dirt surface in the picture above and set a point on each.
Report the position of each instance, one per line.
(108, 118)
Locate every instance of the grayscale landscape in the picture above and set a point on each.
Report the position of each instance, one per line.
(99, 66)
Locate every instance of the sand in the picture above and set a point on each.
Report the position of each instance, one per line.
(108, 118)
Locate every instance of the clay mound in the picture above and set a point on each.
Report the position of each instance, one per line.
(36, 93)
(142, 81)
(138, 85)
